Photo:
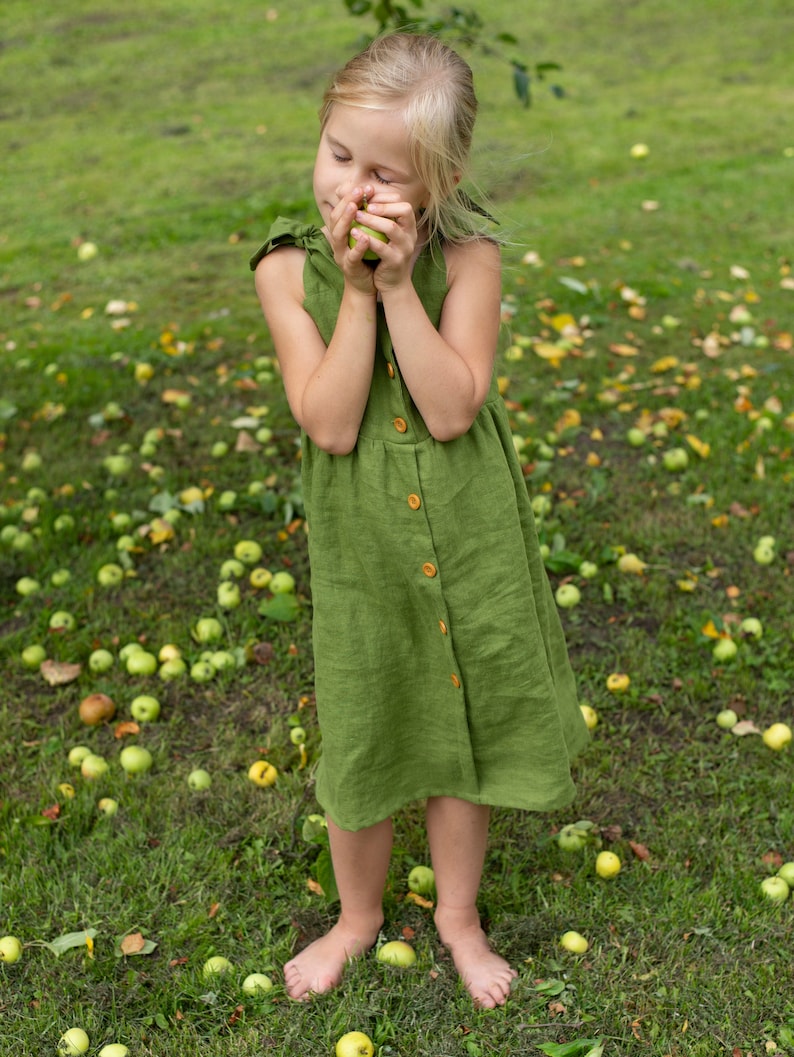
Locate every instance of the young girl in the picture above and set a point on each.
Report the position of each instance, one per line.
(441, 670)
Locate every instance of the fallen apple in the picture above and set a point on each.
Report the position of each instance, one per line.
(786, 871)
(566, 596)
(108, 806)
(96, 708)
(232, 569)
(216, 966)
(228, 595)
(256, 983)
(66, 790)
(727, 719)
(93, 766)
(77, 754)
(62, 620)
(202, 672)
(110, 575)
(574, 942)
(777, 737)
(141, 662)
(572, 838)
(260, 578)
(222, 660)
(422, 880)
(10, 950)
(675, 459)
(33, 655)
(354, 1044)
(145, 708)
(607, 864)
(639, 151)
(86, 251)
(114, 1049)
(636, 437)
(763, 554)
(397, 952)
(134, 759)
(297, 735)
(752, 626)
(618, 682)
(775, 889)
(247, 551)
(60, 577)
(199, 780)
(73, 1042)
(100, 660)
(262, 773)
(26, 586)
(725, 649)
(207, 629)
(589, 715)
(282, 583)
(172, 669)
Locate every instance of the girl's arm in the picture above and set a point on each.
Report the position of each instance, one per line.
(327, 386)
(448, 371)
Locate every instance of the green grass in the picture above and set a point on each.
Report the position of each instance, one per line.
(170, 135)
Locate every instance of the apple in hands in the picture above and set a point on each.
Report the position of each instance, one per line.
(369, 255)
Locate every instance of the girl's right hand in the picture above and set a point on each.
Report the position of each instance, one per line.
(350, 259)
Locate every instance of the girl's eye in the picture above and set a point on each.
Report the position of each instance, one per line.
(339, 157)
(381, 179)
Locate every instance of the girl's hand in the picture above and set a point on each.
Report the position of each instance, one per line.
(395, 219)
(350, 260)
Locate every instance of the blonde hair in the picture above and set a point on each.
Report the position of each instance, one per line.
(434, 88)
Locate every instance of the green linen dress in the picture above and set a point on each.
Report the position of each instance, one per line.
(440, 663)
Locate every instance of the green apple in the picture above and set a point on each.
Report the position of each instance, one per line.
(198, 780)
(786, 871)
(228, 595)
(675, 459)
(589, 715)
(588, 570)
(607, 864)
(227, 500)
(145, 708)
(62, 621)
(369, 255)
(725, 649)
(574, 942)
(572, 838)
(354, 1044)
(282, 583)
(121, 522)
(93, 766)
(775, 889)
(110, 575)
(422, 880)
(134, 759)
(397, 952)
(636, 437)
(639, 151)
(256, 983)
(33, 655)
(127, 650)
(72, 1043)
(207, 629)
(763, 554)
(114, 1049)
(117, 465)
(216, 966)
(10, 950)
(86, 251)
(60, 577)
(232, 569)
(727, 719)
(63, 523)
(777, 737)
(108, 806)
(752, 626)
(26, 585)
(140, 662)
(77, 754)
(100, 660)
(297, 736)
(173, 668)
(23, 541)
(247, 551)
(31, 460)
(222, 660)
(202, 672)
(567, 596)
(219, 449)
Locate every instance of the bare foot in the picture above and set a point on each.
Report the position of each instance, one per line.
(319, 967)
(485, 974)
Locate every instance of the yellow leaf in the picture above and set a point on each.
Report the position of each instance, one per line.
(563, 321)
(621, 349)
(569, 419)
(160, 531)
(666, 363)
(701, 447)
(709, 629)
(548, 351)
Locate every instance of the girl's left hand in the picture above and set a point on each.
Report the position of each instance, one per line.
(395, 219)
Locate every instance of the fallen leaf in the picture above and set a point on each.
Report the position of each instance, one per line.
(640, 851)
(122, 730)
(744, 727)
(59, 673)
(132, 943)
(622, 349)
(214, 910)
(52, 812)
(314, 886)
(420, 901)
(245, 443)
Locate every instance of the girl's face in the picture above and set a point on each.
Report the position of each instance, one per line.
(360, 147)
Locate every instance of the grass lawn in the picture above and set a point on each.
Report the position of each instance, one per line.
(144, 436)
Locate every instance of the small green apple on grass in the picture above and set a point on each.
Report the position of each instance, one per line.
(775, 889)
(199, 780)
(398, 953)
(354, 1044)
(134, 759)
(73, 1042)
(256, 983)
(786, 871)
(216, 966)
(141, 662)
(10, 950)
(574, 942)
(422, 880)
(727, 719)
(100, 660)
(144, 708)
(32, 656)
(114, 1049)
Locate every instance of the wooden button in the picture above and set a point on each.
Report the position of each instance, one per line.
(400, 425)
(443, 627)
(390, 370)
(429, 569)
(414, 502)
(455, 681)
